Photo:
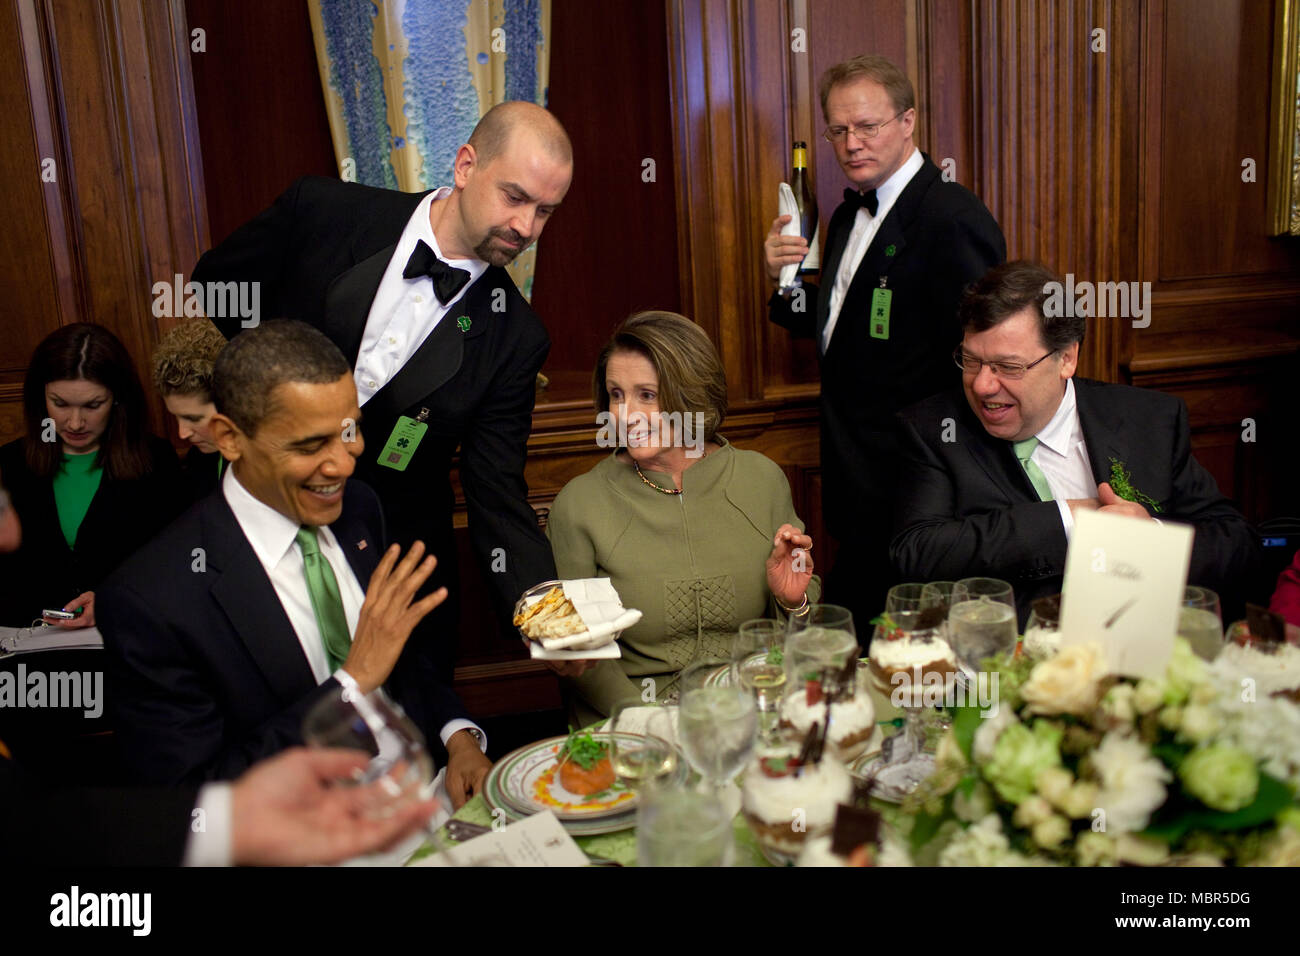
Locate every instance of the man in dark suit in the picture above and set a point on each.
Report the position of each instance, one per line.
(989, 481)
(411, 289)
(224, 631)
(899, 251)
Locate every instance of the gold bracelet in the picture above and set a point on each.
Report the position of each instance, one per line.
(801, 609)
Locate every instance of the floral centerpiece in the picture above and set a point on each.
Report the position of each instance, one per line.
(1079, 767)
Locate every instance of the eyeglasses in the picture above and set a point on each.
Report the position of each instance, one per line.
(863, 131)
(1008, 370)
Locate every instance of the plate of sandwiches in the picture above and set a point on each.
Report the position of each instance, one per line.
(573, 620)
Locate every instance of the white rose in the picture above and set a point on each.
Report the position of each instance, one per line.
(1069, 683)
(1149, 695)
(1118, 704)
(1054, 783)
(1132, 782)
(1032, 811)
(1199, 723)
(1051, 832)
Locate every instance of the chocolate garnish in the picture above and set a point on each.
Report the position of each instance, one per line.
(930, 617)
(1048, 609)
(854, 826)
(809, 743)
(1268, 627)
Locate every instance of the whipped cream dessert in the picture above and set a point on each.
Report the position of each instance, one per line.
(1041, 644)
(852, 721)
(1274, 672)
(906, 653)
(784, 811)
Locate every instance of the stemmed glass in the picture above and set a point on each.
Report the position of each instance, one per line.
(1200, 621)
(938, 594)
(905, 597)
(717, 723)
(982, 620)
(640, 742)
(400, 768)
(758, 665)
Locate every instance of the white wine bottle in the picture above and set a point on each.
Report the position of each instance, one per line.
(806, 199)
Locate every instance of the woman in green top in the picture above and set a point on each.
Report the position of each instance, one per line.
(88, 483)
(695, 533)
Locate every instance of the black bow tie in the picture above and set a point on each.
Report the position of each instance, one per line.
(866, 200)
(447, 280)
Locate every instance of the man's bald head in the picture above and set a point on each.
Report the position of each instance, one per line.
(504, 120)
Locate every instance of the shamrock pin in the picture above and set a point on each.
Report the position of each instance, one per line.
(890, 249)
(464, 323)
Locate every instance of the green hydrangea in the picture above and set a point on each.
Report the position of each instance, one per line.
(1020, 755)
(1221, 777)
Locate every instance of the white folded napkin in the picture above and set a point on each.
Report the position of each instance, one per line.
(786, 206)
(601, 609)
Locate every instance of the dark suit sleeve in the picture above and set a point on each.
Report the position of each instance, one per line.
(91, 827)
(492, 473)
(258, 251)
(170, 721)
(930, 544)
(802, 322)
(1225, 550)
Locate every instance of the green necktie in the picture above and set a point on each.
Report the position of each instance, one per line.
(325, 599)
(1024, 451)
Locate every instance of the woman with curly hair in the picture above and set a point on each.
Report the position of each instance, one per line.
(182, 372)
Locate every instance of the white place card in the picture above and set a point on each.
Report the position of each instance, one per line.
(1124, 581)
(537, 840)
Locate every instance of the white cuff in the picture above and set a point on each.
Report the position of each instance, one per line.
(1067, 517)
(347, 682)
(210, 828)
(460, 723)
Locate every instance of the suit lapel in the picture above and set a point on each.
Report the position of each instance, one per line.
(1099, 430)
(249, 600)
(348, 301)
(835, 245)
(997, 459)
(359, 545)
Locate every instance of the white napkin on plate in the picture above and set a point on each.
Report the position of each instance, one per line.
(601, 609)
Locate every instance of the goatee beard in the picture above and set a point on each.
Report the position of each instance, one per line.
(495, 255)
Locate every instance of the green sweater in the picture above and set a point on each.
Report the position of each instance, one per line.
(694, 564)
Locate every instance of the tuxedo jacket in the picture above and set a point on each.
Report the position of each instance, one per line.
(205, 673)
(936, 239)
(44, 572)
(966, 508)
(319, 253)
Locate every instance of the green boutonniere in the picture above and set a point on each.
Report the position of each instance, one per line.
(1122, 486)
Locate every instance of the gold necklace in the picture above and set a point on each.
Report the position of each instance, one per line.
(666, 491)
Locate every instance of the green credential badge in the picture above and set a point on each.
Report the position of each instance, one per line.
(401, 444)
(880, 305)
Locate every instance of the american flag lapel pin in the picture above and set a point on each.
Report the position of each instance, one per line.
(361, 545)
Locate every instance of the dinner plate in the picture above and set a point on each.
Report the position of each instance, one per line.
(526, 781)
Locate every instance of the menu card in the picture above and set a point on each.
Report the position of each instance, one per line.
(537, 840)
(1124, 581)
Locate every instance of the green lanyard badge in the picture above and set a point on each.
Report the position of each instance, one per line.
(405, 439)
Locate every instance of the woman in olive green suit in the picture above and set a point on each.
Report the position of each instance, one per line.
(695, 533)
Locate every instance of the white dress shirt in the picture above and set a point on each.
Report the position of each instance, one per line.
(1062, 455)
(405, 311)
(865, 227)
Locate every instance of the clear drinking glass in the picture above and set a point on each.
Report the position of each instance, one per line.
(758, 665)
(717, 723)
(937, 594)
(825, 639)
(682, 828)
(400, 762)
(972, 589)
(1200, 621)
(905, 597)
(641, 749)
(980, 628)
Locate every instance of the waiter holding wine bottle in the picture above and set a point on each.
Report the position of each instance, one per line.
(899, 251)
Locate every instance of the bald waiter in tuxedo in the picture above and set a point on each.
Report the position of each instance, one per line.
(411, 288)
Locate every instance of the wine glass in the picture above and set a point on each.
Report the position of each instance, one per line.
(758, 665)
(640, 742)
(905, 597)
(717, 723)
(902, 651)
(1200, 621)
(400, 764)
(973, 589)
(937, 594)
(981, 628)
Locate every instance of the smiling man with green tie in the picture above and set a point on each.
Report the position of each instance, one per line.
(226, 629)
(991, 475)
